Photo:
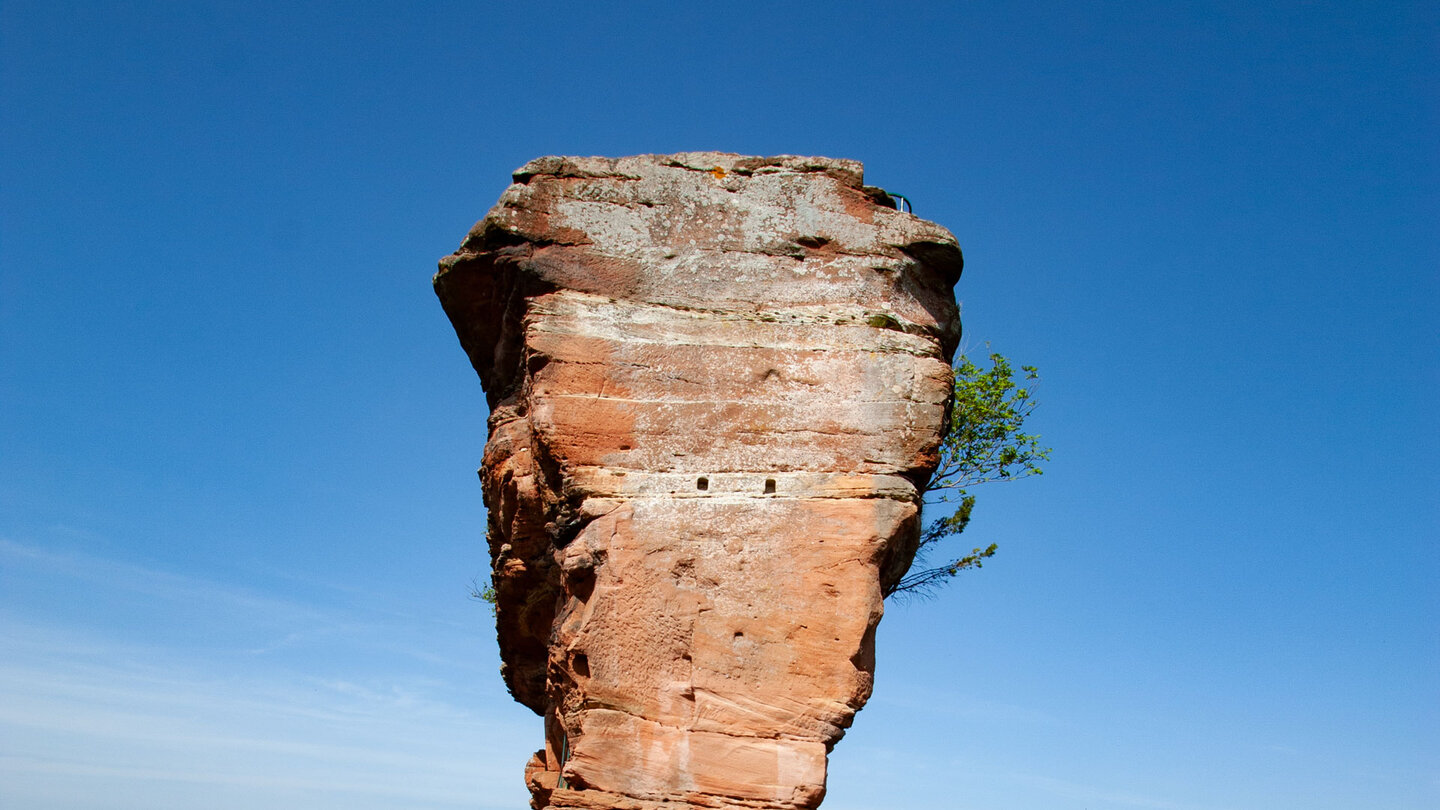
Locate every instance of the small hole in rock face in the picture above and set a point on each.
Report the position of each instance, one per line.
(769, 486)
(739, 634)
(702, 483)
(581, 665)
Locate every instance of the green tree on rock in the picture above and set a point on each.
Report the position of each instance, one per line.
(984, 441)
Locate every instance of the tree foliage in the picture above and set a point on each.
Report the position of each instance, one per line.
(486, 594)
(984, 440)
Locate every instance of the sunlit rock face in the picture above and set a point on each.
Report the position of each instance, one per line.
(716, 383)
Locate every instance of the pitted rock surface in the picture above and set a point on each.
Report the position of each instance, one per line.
(717, 385)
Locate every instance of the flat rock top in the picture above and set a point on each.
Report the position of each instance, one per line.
(636, 166)
(787, 239)
(671, 210)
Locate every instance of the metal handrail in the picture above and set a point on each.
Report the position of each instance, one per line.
(564, 758)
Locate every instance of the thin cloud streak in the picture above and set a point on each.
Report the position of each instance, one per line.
(963, 707)
(281, 623)
(331, 712)
(163, 585)
(68, 712)
(1092, 793)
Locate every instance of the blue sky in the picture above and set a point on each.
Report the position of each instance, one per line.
(238, 509)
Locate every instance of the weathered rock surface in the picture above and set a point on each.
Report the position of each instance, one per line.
(715, 384)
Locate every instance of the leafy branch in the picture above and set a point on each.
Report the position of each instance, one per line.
(485, 593)
(984, 441)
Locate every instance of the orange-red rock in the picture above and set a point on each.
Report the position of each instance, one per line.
(715, 384)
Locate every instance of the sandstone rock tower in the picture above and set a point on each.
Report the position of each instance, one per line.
(716, 384)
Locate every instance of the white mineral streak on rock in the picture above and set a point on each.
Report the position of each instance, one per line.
(715, 384)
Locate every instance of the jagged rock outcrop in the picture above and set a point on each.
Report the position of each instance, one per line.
(716, 386)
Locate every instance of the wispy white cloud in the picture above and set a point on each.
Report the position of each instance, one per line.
(85, 711)
(94, 718)
(961, 707)
(1102, 796)
(169, 586)
(260, 623)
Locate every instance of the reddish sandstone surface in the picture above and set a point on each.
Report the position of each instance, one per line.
(716, 386)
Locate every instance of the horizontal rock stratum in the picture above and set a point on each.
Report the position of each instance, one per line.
(716, 388)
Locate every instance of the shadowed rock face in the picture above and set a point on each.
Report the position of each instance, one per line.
(715, 385)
